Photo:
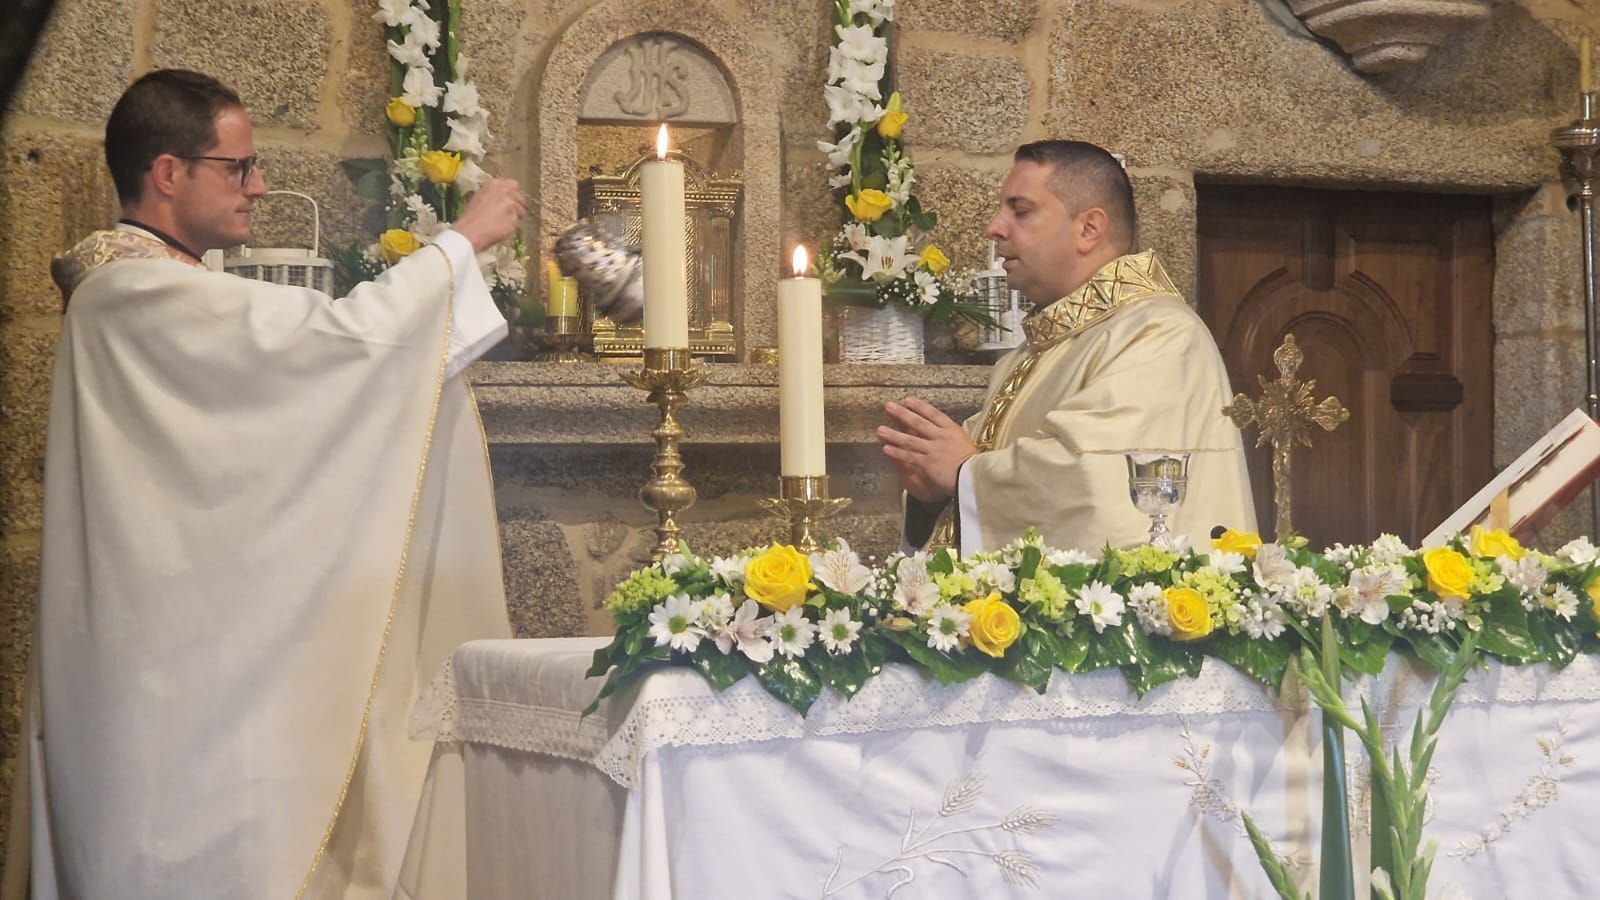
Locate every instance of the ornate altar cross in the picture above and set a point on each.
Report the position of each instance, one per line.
(1284, 415)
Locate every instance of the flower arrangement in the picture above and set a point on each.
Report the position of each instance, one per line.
(801, 623)
(882, 255)
(438, 133)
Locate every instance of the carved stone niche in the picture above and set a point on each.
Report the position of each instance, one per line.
(1386, 35)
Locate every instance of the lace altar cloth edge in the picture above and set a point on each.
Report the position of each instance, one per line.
(678, 708)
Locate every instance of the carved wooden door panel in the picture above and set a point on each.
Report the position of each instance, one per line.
(1388, 294)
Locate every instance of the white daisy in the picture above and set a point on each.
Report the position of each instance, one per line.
(839, 632)
(748, 632)
(947, 626)
(715, 611)
(675, 623)
(791, 632)
(1068, 557)
(994, 576)
(840, 569)
(1578, 552)
(730, 569)
(1101, 604)
(1149, 603)
(1225, 562)
(1562, 601)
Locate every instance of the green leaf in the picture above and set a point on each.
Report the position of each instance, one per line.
(942, 563)
(1505, 633)
(945, 668)
(1112, 648)
(845, 673)
(370, 177)
(790, 681)
(1365, 648)
(721, 669)
(1558, 641)
(1029, 565)
(606, 657)
(633, 640)
(925, 222)
(1437, 650)
(1160, 662)
(1265, 661)
(1072, 653)
(1030, 661)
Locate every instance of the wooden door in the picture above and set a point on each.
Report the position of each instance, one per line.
(1388, 294)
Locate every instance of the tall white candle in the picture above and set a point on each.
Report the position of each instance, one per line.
(666, 307)
(801, 446)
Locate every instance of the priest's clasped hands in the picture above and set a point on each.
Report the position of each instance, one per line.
(926, 446)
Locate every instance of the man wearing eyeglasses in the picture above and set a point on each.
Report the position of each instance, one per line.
(268, 521)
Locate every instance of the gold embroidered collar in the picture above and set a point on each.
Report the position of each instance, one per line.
(1118, 283)
(101, 247)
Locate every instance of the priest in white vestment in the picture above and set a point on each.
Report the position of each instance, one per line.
(1113, 361)
(268, 521)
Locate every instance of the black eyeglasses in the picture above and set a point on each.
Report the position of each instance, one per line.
(244, 165)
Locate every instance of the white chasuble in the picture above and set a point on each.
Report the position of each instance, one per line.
(268, 521)
(1120, 365)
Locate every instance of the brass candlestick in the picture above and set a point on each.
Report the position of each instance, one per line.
(668, 376)
(804, 502)
(561, 340)
(1579, 144)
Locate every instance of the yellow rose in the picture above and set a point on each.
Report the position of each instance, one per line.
(1449, 573)
(441, 166)
(995, 625)
(935, 260)
(1245, 542)
(400, 113)
(1188, 613)
(892, 120)
(779, 578)
(869, 205)
(398, 243)
(1593, 590)
(1493, 544)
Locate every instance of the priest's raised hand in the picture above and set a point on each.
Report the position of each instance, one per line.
(926, 446)
(493, 213)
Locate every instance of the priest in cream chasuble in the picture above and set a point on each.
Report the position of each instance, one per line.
(1118, 364)
(268, 522)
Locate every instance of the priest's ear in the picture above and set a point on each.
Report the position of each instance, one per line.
(1091, 229)
(163, 176)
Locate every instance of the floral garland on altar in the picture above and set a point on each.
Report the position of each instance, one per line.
(799, 624)
(881, 256)
(438, 137)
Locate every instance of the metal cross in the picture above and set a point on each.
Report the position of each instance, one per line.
(1284, 415)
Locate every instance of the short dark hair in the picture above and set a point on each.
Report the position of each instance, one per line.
(166, 111)
(1084, 175)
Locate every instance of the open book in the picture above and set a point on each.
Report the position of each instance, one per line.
(1543, 480)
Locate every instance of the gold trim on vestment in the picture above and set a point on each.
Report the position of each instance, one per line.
(399, 580)
(70, 268)
(1118, 283)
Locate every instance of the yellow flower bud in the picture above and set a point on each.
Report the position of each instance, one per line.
(935, 260)
(400, 113)
(995, 625)
(1242, 542)
(398, 243)
(869, 205)
(892, 120)
(440, 166)
(779, 578)
(1188, 613)
(1449, 573)
(1493, 544)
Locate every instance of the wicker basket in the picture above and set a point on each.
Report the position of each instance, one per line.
(888, 335)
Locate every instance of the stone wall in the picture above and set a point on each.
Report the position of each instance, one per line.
(1185, 89)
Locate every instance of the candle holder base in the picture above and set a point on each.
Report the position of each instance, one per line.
(668, 375)
(804, 503)
(562, 340)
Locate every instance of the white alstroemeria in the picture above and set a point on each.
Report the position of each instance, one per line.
(1578, 552)
(993, 575)
(418, 88)
(461, 98)
(1389, 550)
(839, 154)
(467, 136)
(424, 31)
(847, 106)
(1068, 557)
(395, 13)
(747, 631)
(715, 611)
(860, 42)
(791, 632)
(730, 569)
(1226, 563)
(1272, 567)
(1102, 604)
(1370, 588)
(878, 11)
(914, 590)
(675, 623)
(1561, 601)
(839, 632)
(947, 626)
(1149, 604)
(885, 259)
(471, 176)
(840, 569)
(855, 235)
(1527, 574)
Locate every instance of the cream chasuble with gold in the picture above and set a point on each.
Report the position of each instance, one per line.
(1120, 365)
(268, 521)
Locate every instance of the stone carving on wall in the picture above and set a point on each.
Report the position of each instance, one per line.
(657, 77)
(1385, 35)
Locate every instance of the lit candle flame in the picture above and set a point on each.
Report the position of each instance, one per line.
(661, 142)
(801, 261)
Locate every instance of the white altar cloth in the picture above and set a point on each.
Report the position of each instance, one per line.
(983, 789)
